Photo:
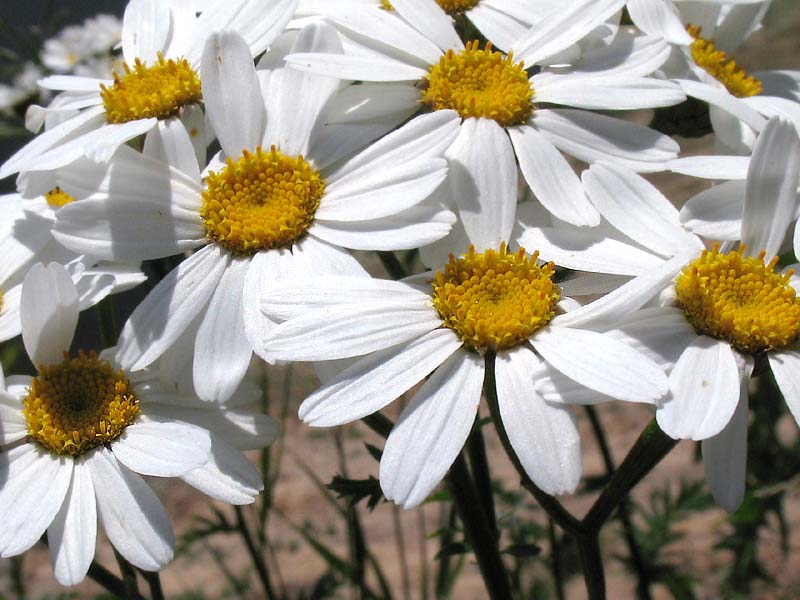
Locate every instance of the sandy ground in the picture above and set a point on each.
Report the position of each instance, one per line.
(299, 501)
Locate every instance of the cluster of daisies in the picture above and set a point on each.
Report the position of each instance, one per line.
(264, 140)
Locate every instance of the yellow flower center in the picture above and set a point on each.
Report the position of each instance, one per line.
(480, 83)
(262, 201)
(159, 90)
(725, 70)
(386, 5)
(58, 197)
(739, 299)
(1, 301)
(495, 300)
(456, 7)
(78, 405)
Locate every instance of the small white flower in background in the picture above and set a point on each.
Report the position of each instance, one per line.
(416, 58)
(162, 43)
(26, 238)
(740, 309)
(23, 87)
(80, 434)
(252, 226)
(440, 328)
(85, 49)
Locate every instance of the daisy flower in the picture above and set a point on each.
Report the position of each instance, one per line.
(162, 43)
(489, 308)
(77, 437)
(739, 102)
(81, 49)
(26, 238)
(502, 105)
(275, 206)
(741, 309)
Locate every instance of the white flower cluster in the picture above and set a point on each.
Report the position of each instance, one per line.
(266, 139)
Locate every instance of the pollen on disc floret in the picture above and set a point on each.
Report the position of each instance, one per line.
(480, 83)
(159, 90)
(495, 300)
(262, 201)
(740, 299)
(457, 7)
(58, 197)
(725, 70)
(78, 404)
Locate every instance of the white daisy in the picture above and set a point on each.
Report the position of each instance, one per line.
(488, 309)
(25, 238)
(81, 433)
(501, 104)
(81, 49)
(741, 310)
(250, 233)
(162, 43)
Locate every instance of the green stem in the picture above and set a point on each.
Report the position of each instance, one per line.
(643, 585)
(478, 530)
(154, 583)
(555, 559)
(258, 562)
(108, 325)
(592, 566)
(650, 448)
(105, 578)
(393, 265)
(476, 447)
(130, 587)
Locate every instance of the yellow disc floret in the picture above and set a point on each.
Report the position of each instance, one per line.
(480, 83)
(78, 405)
(263, 200)
(725, 70)
(739, 299)
(58, 197)
(386, 5)
(456, 7)
(495, 300)
(160, 91)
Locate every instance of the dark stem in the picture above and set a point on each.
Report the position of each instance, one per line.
(555, 559)
(478, 530)
(423, 553)
(405, 579)
(650, 448)
(105, 578)
(476, 447)
(392, 265)
(108, 325)
(258, 562)
(643, 585)
(592, 566)
(130, 587)
(154, 583)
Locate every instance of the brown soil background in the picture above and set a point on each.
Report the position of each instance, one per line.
(296, 496)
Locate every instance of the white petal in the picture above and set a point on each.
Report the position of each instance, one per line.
(221, 350)
(502, 29)
(170, 142)
(49, 313)
(724, 100)
(564, 27)
(170, 308)
(431, 21)
(770, 199)
(73, 83)
(551, 177)
(232, 94)
(377, 379)
(145, 29)
(705, 391)
(227, 476)
(629, 56)
(588, 250)
(601, 363)
(13, 425)
(785, 365)
(34, 486)
(355, 68)
(545, 437)
(343, 331)
(608, 94)
(73, 533)
(432, 430)
(264, 269)
(716, 213)
(725, 458)
(413, 227)
(711, 167)
(162, 449)
(131, 515)
(590, 137)
(636, 208)
(659, 17)
(483, 180)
